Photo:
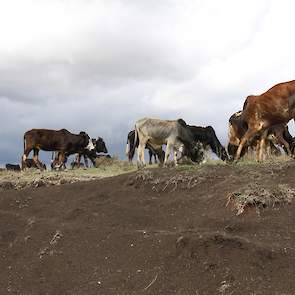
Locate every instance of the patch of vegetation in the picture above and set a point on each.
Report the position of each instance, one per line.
(259, 197)
(248, 160)
(37, 178)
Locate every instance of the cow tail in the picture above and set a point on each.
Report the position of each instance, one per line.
(24, 143)
(132, 151)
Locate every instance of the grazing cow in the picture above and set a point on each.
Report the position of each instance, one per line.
(12, 167)
(276, 134)
(100, 147)
(273, 107)
(54, 140)
(153, 151)
(173, 133)
(207, 136)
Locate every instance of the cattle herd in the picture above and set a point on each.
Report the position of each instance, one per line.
(260, 127)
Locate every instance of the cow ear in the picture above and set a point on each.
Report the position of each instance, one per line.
(181, 122)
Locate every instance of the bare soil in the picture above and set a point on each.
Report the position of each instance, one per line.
(154, 231)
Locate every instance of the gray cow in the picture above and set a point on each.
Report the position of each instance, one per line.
(175, 134)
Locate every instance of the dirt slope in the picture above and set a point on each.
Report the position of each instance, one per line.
(159, 231)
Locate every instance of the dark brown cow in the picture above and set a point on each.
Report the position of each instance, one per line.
(275, 106)
(54, 140)
(277, 134)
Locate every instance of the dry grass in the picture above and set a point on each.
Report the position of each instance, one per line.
(37, 178)
(258, 197)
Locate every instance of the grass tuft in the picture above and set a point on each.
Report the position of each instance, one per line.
(259, 198)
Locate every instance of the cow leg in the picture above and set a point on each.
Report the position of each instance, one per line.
(25, 156)
(248, 135)
(151, 156)
(61, 159)
(174, 151)
(167, 153)
(140, 153)
(36, 159)
(86, 161)
(262, 146)
(78, 160)
(257, 150)
(155, 157)
(285, 144)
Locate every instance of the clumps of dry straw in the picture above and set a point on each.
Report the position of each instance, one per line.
(258, 197)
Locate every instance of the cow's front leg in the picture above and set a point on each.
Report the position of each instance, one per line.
(86, 161)
(151, 156)
(167, 153)
(61, 160)
(175, 156)
(155, 156)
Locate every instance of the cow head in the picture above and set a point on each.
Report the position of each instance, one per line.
(88, 142)
(222, 154)
(100, 146)
(194, 151)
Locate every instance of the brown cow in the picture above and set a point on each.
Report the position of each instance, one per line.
(277, 134)
(54, 140)
(275, 106)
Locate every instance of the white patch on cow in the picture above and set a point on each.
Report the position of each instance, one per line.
(90, 145)
(24, 158)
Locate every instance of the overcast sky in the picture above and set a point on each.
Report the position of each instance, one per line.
(100, 65)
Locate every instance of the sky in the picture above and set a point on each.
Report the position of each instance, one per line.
(100, 65)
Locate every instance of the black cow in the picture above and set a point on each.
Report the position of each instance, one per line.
(100, 147)
(153, 152)
(13, 167)
(207, 136)
(54, 140)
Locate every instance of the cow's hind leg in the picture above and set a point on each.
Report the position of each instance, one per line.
(36, 159)
(262, 146)
(25, 156)
(248, 135)
(151, 156)
(140, 155)
(285, 144)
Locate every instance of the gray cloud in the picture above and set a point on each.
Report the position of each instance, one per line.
(101, 65)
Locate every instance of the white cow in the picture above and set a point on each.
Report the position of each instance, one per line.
(173, 133)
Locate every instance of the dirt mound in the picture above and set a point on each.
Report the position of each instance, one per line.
(154, 231)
